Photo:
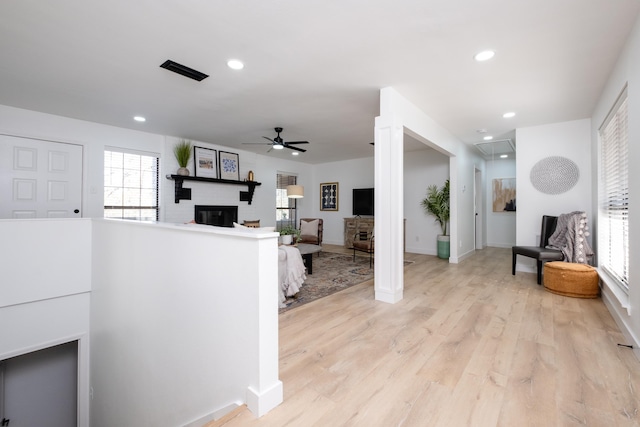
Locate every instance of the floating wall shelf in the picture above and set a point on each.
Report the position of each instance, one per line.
(185, 193)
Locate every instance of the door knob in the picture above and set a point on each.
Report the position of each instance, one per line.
(76, 211)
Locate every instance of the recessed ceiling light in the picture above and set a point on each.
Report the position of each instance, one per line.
(235, 64)
(484, 55)
(139, 119)
(295, 153)
(509, 115)
(488, 138)
(504, 156)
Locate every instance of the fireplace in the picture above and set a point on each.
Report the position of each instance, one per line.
(221, 216)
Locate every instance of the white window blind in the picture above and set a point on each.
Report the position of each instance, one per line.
(613, 221)
(285, 207)
(131, 185)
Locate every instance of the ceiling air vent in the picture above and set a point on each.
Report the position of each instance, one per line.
(492, 149)
(183, 70)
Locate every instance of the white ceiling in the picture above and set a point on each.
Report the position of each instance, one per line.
(314, 67)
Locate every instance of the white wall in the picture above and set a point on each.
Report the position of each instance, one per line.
(349, 174)
(183, 323)
(568, 139)
(463, 162)
(422, 169)
(627, 71)
(44, 291)
(94, 137)
(501, 226)
(263, 206)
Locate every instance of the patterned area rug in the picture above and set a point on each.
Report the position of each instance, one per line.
(332, 272)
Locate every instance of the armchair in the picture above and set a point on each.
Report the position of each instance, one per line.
(311, 231)
(363, 242)
(540, 253)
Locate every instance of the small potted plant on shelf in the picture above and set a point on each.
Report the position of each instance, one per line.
(182, 151)
(290, 235)
(437, 204)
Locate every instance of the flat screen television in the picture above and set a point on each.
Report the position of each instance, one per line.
(363, 201)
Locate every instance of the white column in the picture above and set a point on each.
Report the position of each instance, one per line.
(389, 200)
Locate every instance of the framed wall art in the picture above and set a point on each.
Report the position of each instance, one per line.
(229, 165)
(329, 196)
(504, 195)
(206, 162)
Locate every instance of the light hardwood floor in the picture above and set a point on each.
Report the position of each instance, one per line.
(469, 345)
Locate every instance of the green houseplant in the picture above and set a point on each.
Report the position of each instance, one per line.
(437, 204)
(182, 151)
(290, 235)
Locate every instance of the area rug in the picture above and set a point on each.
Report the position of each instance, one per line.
(332, 272)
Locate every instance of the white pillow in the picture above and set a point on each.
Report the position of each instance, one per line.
(309, 228)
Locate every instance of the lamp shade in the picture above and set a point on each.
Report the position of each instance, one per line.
(295, 191)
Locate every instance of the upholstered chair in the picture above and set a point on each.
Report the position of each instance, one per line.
(311, 231)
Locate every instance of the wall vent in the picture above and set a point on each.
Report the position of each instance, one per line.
(183, 70)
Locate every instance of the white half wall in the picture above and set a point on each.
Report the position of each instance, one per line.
(184, 322)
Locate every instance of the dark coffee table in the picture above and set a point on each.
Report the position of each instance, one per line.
(307, 250)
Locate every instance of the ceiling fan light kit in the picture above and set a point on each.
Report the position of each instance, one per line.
(278, 143)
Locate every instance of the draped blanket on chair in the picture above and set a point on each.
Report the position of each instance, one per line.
(571, 237)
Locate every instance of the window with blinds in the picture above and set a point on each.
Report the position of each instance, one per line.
(613, 192)
(131, 185)
(285, 207)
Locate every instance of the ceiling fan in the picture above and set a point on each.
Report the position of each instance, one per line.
(278, 143)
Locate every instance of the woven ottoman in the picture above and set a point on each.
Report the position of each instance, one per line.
(571, 279)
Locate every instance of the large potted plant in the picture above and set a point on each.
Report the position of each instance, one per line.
(182, 151)
(437, 204)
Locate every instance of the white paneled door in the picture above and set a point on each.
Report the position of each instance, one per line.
(39, 179)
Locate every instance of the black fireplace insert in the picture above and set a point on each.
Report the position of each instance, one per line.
(221, 216)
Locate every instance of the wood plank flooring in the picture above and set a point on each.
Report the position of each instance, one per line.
(469, 345)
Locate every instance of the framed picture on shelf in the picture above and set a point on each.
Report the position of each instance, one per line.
(229, 165)
(206, 162)
(329, 196)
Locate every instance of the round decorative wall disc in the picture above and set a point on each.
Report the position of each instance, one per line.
(554, 175)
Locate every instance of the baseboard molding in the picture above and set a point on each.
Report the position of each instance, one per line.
(612, 305)
(389, 297)
(214, 416)
(420, 250)
(262, 402)
(501, 245)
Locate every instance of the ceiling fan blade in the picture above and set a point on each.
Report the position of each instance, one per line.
(257, 143)
(296, 142)
(269, 139)
(295, 148)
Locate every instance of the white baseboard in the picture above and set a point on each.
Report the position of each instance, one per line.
(261, 403)
(619, 316)
(216, 415)
(501, 245)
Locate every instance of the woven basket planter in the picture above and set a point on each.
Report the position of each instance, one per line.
(571, 279)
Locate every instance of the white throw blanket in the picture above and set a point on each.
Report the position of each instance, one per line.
(291, 272)
(571, 237)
